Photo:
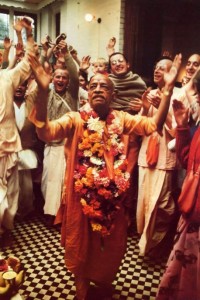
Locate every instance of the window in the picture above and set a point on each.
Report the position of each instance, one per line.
(6, 28)
(57, 16)
(4, 24)
(32, 16)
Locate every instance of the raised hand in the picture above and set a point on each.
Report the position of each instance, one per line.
(135, 104)
(154, 99)
(45, 43)
(110, 48)
(62, 47)
(25, 22)
(19, 51)
(145, 101)
(18, 25)
(85, 63)
(171, 75)
(42, 76)
(181, 113)
(169, 79)
(166, 53)
(73, 52)
(7, 43)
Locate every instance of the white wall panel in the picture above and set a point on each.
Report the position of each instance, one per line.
(88, 38)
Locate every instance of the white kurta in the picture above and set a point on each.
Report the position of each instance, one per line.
(54, 166)
(9, 143)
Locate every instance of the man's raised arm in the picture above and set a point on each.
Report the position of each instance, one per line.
(43, 79)
(170, 79)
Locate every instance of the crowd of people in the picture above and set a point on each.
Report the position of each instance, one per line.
(90, 146)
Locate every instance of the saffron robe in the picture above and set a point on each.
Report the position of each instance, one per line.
(84, 255)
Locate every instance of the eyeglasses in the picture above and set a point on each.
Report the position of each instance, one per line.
(114, 62)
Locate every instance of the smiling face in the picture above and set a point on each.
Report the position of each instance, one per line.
(100, 93)
(60, 81)
(160, 68)
(192, 65)
(118, 64)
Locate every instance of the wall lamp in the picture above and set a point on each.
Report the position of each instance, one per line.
(90, 18)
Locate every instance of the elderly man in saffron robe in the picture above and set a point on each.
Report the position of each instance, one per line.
(93, 214)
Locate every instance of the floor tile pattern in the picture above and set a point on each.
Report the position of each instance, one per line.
(38, 247)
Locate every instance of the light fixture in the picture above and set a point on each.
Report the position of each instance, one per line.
(89, 18)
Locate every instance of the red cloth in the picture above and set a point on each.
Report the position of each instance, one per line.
(181, 278)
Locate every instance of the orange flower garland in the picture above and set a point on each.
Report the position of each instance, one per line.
(100, 196)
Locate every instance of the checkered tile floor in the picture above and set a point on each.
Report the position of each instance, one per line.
(38, 247)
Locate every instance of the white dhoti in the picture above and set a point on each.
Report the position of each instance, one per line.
(27, 162)
(25, 205)
(54, 166)
(155, 207)
(9, 191)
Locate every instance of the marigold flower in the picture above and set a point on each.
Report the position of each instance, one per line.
(78, 185)
(87, 182)
(117, 172)
(95, 137)
(96, 226)
(85, 133)
(83, 202)
(91, 176)
(88, 210)
(105, 193)
(96, 147)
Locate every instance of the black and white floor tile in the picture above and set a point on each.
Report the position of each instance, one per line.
(38, 247)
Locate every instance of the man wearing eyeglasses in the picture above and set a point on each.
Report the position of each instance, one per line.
(129, 86)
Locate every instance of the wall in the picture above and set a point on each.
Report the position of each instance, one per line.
(87, 38)
(152, 27)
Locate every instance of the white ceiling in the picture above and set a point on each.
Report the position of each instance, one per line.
(27, 4)
(29, 1)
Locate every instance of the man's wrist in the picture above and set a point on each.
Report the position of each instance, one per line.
(167, 90)
(29, 35)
